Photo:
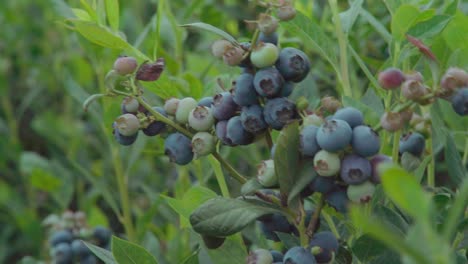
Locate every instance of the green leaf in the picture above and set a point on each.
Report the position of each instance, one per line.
(456, 170)
(112, 12)
(402, 20)
(222, 217)
(378, 26)
(251, 186)
(44, 180)
(455, 34)
(404, 190)
(371, 116)
(431, 27)
(126, 252)
(349, 16)
(305, 175)
(231, 252)
(439, 130)
(392, 218)
(81, 14)
(288, 240)
(287, 157)
(166, 87)
(193, 198)
(99, 35)
(314, 36)
(366, 248)
(103, 254)
(410, 162)
(344, 256)
(419, 172)
(29, 161)
(214, 30)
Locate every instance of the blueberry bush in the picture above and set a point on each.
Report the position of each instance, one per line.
(258, 132)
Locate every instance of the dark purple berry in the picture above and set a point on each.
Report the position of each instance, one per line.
(221, 131)
(244, 93)
(413, 143)
(365, 141)
(308, 145)
(252, 119)
(460, 102)
(278, 112)
(327, 243)
(355, 169)
(150, 71)
(299, 255)
(236, 134)
(268, 82)
(351, 115)
(155, 127)
(391, 78)
(224, 106)
(293, 64)
(334, 135)
(270, 224)
(179, 148)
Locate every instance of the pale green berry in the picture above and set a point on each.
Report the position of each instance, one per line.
(183, 109)
(266, 173)
(361, 193)
(201, 118)
(127, 124)
(264, 55)
(203, 143)
(327, 163)
(170, 106)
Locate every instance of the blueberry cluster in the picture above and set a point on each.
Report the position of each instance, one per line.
(67, 235)
(321, 249)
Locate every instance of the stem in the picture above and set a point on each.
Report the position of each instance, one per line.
(396, 146)
(235, 174)
(126, 218)
(431, 165)
(331, 224)
(465, 154)
(342, 39)
(302, 229)
(315, 217)
(220, 177)
(269, 140)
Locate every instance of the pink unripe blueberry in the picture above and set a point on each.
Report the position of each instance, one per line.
(266, 173)
(327, 163)
(267, 24)
(286, 12)
(233, 56)
(391, 121)
(201, 118)
(413, 90)
(415, 76)
(264, 55)
(453, 79)
(391, 78)
(170, 106)
(183, 109)
(203, 143)
(219, 47)
(125, 65)
(330, 104)
(127, 124)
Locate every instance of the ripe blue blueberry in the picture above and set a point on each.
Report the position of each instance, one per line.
(365, 141)
(460, 101)
(62, 253)
(327, 243)
(236, 133)
(338, 199)
(322, 184)
(179, 148)
(270, 38)
(79, 249)
(375, 162)
(270, 224)
(278, 112)
(102, 235)
(293, 64)
(277, 256)
(155, 127)
(334, 135)
(91, 259)
(355, 169)
(351, 115)
(244, 93)
(221, 131)
(268, 82)
(413, 143)
(308, 145)
(287, 89)
(224, 106)
(252, 119)
(206, 101)
(62, 236)
(299, 255)
(123, 140)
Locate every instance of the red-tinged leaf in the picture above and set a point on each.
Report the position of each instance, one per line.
(422, 47)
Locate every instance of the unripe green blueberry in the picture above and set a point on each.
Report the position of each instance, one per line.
(361, 193)
(413, 90)
(201, 118)
(391, 121)
(312, 119)
(326, 163)
(130, 105)
(266, 173)
(302, 103)
(127, 124)
(219, 47)
(125, 65)
(170, 106)
(286, 12)
(203, 143)
(330, 103)
(260, 256)
(264, 55)
(183, 109)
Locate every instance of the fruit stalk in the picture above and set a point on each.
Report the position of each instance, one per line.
(315, 217)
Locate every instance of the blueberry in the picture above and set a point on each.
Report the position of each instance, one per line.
(277, 256)
(170, 106)
(286, 12)
(259, 256)
(62, 254)
(365, 141)
(236, 134)
(391, 78)
(212, 242)
(413, 90)
(266, 173)
(89, 260)
(351, 115)
(274, 223)
(375, 162)
(264, 55)
(244, 93)
(127, 124)
(62, 236)
(206, 101)
(124, 140)
(270, 38)
(233, 56)
(287, 89)
(155, 127)
(252, 119)
(308, 145)
(219, 47)
(330, 104)
(355, 169)
(201, 118)
(299, 255)
(203, 143)
(322, 184)
(327, 242)
(460, 102)
(129, 105)
(293, 64)
(391, 121)
(179, 148)
(150, 71)
(361, 193)
(413, 143)
(221, 131)
(183, 109)
(312, 119)
(453, 79)
(278, 112)
(224, 106)
(334, 135)
(102, 235)
(268, 82)
(79, 249)
(338, 199)
(267, 23)
(326, 163)
(125, 65)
